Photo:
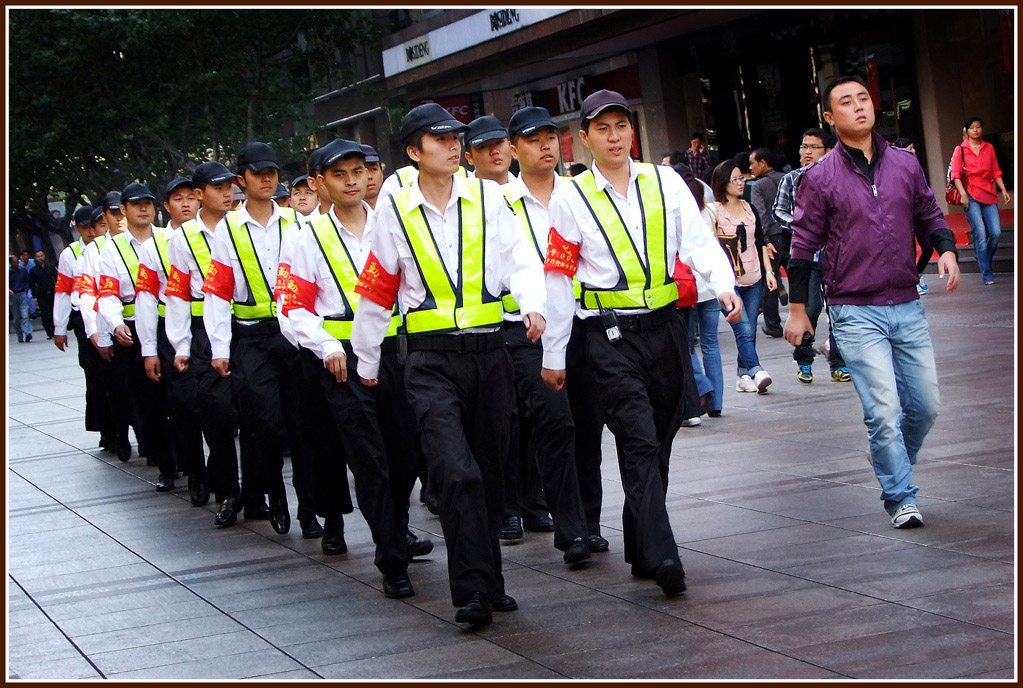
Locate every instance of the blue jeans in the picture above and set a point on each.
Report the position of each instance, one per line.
(19, 307)
(987, 228)
(889, 355)
(746, 329)
(710, 377)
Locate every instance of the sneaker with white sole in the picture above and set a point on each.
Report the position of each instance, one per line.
(744, 383)
(921, 288)
(692, 422)
(907, 516)
(761, 381)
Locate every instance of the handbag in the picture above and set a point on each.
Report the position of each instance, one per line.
(733, 245)
(952, 195)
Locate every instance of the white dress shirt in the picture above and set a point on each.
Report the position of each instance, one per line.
(147, 311)
(87, 301)
(538, 220)
(111, 308)
(69, 266)
(687, 238)
(178, 321)
(509, 262)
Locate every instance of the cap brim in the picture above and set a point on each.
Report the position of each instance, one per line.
(220, 179)
(601, 108)
(533, 126)
(262, 165)
(372, 158)
(493, 135)
(174, 188)
(339, 156)
(143, 197)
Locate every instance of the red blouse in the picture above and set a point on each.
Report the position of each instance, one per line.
(981, 171)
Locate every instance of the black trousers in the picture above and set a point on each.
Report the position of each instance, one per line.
(523, 494)
(588, 417)
(134, 392)
(548, 416)
(265, 376)
(641, 385)
(332, 492)
(769, 304)
(201, 405)
(463, 404)
(378, 436)
(45, 300)
(98, 415)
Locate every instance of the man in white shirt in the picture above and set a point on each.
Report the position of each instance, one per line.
(488, 149)
(303, 199)
(181, 203)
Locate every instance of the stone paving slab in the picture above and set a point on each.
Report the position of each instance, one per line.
(794, 571)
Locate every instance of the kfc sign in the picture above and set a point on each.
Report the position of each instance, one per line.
(464, 108)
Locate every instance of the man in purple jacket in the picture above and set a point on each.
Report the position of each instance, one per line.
(863, 202)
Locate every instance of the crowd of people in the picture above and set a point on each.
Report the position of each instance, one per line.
(477, 330)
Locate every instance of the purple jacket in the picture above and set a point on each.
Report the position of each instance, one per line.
(866, 231)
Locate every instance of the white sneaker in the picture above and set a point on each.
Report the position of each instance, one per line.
(745, 384)
(692, 422)
(761, 381)
(907, 516)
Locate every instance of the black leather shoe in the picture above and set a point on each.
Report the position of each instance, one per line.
(476, 612)
(107, 442)
(417, 547)
(638, 572)
(197, 491)
(333, 541)
(280, 519)
(597, 544)
(771, 332)
(123, 449)
(578, 551)
(165, 483)
(429, 498)
(511, 530)
(544, 524)
(257, 512)
(670, 577)
(311, 529)
(228, 514)
(504, 603)
(397, 587)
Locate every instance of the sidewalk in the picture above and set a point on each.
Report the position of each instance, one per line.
(794, 571)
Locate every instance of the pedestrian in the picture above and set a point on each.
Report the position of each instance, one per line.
(863, 204)
(488, 149)
(976, 173)
(738, 220)
(205, 407)
(18, 298)
(303, 199)
(697, 157)
(765, 187)
(374, 175)
(42, 280)
(815, 144)
(633, 337)
(448, 246)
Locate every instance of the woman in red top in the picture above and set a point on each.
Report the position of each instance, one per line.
(977, 187)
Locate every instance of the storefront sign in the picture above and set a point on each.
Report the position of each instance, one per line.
(501, 19)
(417, 52)
(570, 95)
(523, 99)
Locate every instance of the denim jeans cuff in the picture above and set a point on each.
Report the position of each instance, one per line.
(891, 506)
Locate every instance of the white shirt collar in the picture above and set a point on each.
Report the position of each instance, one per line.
(458, 191)
(200, 224)
(519, 189)
(337, 222)
(243, 214)
(603, 183)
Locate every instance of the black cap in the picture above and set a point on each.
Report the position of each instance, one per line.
(483, 129)
(529, 119)
(136, 192)
(112, 201)
(212, 172)
(257, 156)
(178, 182)
(371, 153)
(314, 160)
(281, 192)
(338, 149)
(299, 180)
(429, 117)
(83, 215)
(96, 214)
(595, 103)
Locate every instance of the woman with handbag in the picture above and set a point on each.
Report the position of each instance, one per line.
(975, 172)
(739, 230)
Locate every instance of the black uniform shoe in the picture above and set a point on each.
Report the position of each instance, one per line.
(311, 529)
(165, 483)
(257, 512)
(197, 491)
(228, 514)
(397, 587)
(476, 612)
(670, 577)
(770, 332)
(333, 541)
(504, 603)
(28, 338)
(597, 543)
(544, 524)
(578, 551)
(123, 449)
(429, 498)
(107, 442)
(280, 519)
(511, 529)
(638, 572)
(417, 547)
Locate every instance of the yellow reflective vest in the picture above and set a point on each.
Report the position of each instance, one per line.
(261, 304)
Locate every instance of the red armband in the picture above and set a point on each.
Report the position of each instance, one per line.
(85, 284)
(148, 281)
(109, 286)
(562, 255)
(219, 281)
(299, 293)
(64, 284)
(378, 285)
(178, 285)
(281, 284)
(686, 282)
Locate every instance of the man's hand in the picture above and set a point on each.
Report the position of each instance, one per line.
(797, 324)
(106, 353)
(947, 263)
(732, 305)
(221, 366)
(535, 325)
(369, 383)
(152, 366)
(555, 379)
(337, 365)
(181, 363)
(60, 341)
(123, 335)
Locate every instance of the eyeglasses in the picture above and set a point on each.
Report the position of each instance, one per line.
(805, 147)
(736, 180)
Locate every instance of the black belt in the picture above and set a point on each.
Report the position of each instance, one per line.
(262, 328)
(641, 322)
(457, 343)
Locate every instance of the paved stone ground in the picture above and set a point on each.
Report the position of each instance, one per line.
(793, 568)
